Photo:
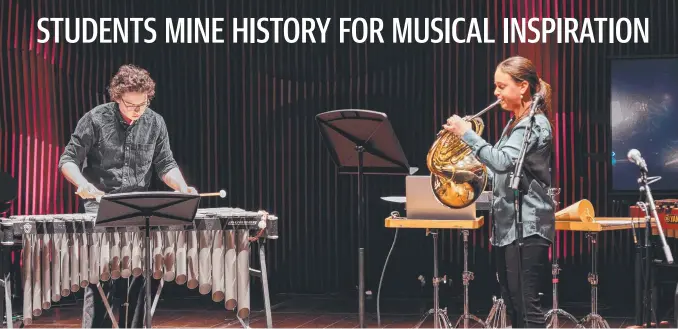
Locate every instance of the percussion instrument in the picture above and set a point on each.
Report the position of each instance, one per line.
(667, 211)
(63, 253)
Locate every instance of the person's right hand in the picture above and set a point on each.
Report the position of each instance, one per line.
(89, 191)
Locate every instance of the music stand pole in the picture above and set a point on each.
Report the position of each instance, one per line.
(369, 135)
(361, 246)
(147, 272)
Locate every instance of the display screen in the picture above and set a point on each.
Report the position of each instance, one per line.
(644, 116)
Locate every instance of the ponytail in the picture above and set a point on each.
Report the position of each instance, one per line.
(545, 90)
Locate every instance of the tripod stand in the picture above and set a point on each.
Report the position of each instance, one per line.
(650, 209)
(648, 311)
(497, 316)
(439, 315)
(593, 318)
(555, 270)
(466, 277)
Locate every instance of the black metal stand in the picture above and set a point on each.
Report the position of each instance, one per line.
(361, 242)
(466, 277)
(362, 142)
(137, 209)
(516, 177)
(650, 209)
(439, 315)
(147, 272)
(552, 315)
(593, 318)
(649, 313)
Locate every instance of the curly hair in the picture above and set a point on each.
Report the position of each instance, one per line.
(131, 78)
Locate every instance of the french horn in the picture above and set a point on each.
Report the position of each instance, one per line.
(457, 177)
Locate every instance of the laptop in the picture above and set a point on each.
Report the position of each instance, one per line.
(421, 203)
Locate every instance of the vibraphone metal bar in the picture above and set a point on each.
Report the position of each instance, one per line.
(66, 252)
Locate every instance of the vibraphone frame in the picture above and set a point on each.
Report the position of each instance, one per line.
(12, 231)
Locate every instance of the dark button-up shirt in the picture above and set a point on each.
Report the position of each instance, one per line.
(119, 156)
(537, 211)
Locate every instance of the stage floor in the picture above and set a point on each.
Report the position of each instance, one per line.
(290, 312)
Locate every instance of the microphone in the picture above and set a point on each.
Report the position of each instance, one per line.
(536, 103)
(537, 98)
(634, 156)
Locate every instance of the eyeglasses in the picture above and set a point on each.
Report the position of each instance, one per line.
(136, 107)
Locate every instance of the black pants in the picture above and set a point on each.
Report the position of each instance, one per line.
(535, 261)
(95, 315)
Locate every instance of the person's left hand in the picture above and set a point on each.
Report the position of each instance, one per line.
(457, 125)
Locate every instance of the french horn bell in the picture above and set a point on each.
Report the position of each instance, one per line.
(457, 177)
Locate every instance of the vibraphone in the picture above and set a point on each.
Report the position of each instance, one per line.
(63, 253)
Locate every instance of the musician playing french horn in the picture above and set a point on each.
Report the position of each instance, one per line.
(516, 83)
(122, 142)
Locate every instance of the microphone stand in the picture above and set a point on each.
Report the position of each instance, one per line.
(516, 176)
(645, 182)
(650, 211)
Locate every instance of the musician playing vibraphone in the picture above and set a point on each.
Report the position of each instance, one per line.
(121, 141)
(64, 253)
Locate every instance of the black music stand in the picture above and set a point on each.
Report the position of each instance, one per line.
(362, 142)
(137, 209)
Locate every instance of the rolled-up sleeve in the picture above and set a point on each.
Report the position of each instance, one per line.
(163, 159)
(80, 143)
(501, 159)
